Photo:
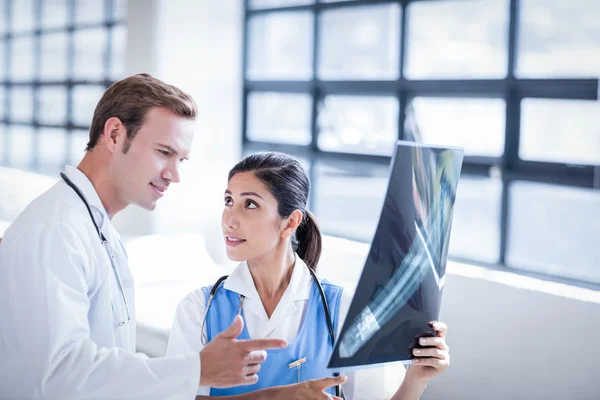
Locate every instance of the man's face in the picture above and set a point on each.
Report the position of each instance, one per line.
(143, 174)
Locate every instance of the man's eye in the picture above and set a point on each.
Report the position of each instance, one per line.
(164, 152)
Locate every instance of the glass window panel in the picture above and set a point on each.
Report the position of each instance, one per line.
(90, 47)
(120, 10)
(54, 56)
(2, 22)
(2, 58)
(3, 142)
(2, 104)
(360, 43)
(53, 145)
(358, 124)
(21, 104)
(554, 230)
(457, 39)
(23, 16)
(277, 3)
(21, 146)
(118, 56)
(53, 105)
(476, 220)
(280, 46)
(89, 12)
(345, 188)
(85, 99)
(55, 13)
(477, 125)
(559, 38)
(564, 131)
(22, 62)
(79, 141)
(279, 117)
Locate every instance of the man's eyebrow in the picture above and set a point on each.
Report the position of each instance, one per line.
(171, 149)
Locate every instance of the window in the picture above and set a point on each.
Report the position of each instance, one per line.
(513, 82)
(56, 59)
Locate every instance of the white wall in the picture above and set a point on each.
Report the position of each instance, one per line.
(197, 46)
(510, 336)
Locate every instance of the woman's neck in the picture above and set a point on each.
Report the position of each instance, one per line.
(272, 274)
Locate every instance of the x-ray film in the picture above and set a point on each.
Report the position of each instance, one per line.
(400, 289)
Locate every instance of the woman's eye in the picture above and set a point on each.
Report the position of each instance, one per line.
(228, 201)
(251, 205)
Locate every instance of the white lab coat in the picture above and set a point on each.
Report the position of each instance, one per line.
(285, 323)
(58, 333)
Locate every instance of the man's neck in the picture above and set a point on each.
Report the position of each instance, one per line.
(97, 173)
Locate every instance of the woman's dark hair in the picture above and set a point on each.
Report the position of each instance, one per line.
(287, 181)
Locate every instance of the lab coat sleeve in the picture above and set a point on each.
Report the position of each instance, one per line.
(372, 383)
(185, 336)
(51, 288)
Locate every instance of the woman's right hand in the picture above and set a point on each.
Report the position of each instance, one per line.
(310, 390)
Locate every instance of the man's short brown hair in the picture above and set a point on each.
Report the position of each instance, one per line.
(131, 98)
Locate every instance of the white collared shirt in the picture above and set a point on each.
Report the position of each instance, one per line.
(284, 324)
(60, 303)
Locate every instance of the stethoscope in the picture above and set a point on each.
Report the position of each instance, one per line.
(213, 291)
(106, 245)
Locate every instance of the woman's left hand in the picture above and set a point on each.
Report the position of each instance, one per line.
(434, 358)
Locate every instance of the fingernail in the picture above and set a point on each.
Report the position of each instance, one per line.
(416, 361)
(423, 341)
(417, 351)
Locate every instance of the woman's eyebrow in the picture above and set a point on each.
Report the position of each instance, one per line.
(246, 194)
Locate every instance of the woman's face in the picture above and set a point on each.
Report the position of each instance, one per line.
(251, 223)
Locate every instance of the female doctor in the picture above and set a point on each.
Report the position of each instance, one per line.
(267, 227)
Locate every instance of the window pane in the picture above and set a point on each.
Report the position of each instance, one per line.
(2, 26)
(90, 47)
(477, 125)
(21, 146)
(559, 38)
(358, 124)
(79, 141)
(345, 189)
(118, 56)
(2, 58)
(280, 46)
(457, 39)
(89, 12)
(560, 131)
(476, 222)
(21, 65)
(279, 117)
(2, 104)
(53, 105)
(554, 230)
(53, 144)
(120, 10)
(3, 142)
(55, 13)
(85, 99)
(23, 16)
(360, 43)
(54, 56)
(277, 3)
(21, 104)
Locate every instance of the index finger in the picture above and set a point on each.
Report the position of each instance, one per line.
(325, 383)
(262, 344)
(440, 328)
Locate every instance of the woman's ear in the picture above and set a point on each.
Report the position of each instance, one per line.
(291, 224)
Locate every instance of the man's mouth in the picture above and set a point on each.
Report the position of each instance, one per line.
(158, 190)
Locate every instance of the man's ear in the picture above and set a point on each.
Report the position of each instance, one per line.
(291, 224)
(114, 133)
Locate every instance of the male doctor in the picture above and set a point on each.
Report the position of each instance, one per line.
(67, 313)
